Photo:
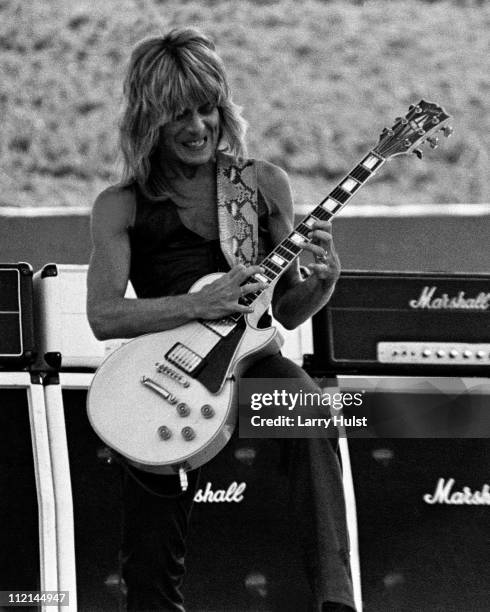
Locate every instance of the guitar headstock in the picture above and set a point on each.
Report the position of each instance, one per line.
(420, 124)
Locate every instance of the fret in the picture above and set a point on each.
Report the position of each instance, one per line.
(284, 252)
(330, 206)
(322, 214)
(360, 173)
(269, 273)
(271, 266)
(261, 278)
(350, 185)
(340, 195)
(246, 300)
(309, 221)
(297, 238)
(277, 259)
(372, 161)
(303, 229)
(291, 246)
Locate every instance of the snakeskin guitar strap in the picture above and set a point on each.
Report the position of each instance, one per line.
(237, 209)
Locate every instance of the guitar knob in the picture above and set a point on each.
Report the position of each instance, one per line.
(183, 409)
(207, 411)
(164, 432)
(188, 434)
(447, 131)
(433, 142)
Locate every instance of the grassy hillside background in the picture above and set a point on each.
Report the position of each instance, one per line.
(318, 80)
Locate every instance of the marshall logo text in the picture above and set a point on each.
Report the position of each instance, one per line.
(444, 494)
(428, 299)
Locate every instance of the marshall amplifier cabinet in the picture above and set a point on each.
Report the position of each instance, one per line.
(404, 322)
(16, 318)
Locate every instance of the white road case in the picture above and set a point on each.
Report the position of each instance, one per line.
(64, 337)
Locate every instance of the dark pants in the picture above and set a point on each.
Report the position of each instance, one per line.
(155, 520)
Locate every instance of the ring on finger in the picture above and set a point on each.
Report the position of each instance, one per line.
(321, 258)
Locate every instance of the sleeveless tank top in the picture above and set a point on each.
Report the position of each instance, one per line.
(167, 257)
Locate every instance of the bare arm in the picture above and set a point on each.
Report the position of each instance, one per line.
(296, 300)
(110, 314)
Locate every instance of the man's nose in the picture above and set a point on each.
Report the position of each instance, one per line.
(196, 123)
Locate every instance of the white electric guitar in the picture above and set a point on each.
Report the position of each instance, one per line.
(167, 401)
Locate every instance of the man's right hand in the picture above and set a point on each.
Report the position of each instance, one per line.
(220, 297)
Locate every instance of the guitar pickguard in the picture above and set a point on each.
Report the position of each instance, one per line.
(217, 361)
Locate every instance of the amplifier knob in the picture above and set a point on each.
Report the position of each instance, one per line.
(441, 353)
(426, 353)
(480, 354)
(467, 354)
(453, 353)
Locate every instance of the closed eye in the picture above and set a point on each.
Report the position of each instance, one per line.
(183, 115)
(206, 109)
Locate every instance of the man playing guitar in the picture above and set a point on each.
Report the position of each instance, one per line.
(159, 228)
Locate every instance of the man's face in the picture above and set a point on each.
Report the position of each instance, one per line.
(192, 137)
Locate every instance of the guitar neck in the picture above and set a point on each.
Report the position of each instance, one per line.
(277, 262)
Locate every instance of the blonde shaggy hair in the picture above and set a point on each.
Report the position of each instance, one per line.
(165, 76)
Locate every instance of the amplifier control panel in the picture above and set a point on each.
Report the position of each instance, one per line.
(456, 353)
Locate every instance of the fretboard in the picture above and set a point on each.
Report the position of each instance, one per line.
(286, 251)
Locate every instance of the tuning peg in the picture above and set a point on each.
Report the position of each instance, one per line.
(433, 142)
(415, 108)
(447, 131)
(418, 153)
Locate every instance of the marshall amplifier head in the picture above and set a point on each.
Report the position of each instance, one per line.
(404, 322)
(16, 318)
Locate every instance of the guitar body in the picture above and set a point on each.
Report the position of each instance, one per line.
(182, 415)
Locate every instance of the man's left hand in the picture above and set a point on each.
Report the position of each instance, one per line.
(327, 263)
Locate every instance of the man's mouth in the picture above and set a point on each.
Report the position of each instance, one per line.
(195, 144)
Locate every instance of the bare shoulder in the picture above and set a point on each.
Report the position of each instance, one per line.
(114, 209)
(273, 183)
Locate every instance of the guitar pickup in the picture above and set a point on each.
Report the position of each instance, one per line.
(184, 358)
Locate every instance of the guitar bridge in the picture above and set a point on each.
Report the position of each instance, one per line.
(162, 368)
(184, 358)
